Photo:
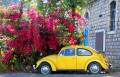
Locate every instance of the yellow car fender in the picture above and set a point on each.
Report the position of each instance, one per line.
(47, 61)
(96, 60)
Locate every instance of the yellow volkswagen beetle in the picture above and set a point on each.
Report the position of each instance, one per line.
(74, 58)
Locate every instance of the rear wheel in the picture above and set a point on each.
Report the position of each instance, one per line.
(94, 68)
(45, 68)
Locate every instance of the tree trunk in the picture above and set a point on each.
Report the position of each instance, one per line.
(61, 4)
(73, 12)
(21, 7)
(50, 3)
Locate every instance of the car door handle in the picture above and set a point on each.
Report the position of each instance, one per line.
(73, 58)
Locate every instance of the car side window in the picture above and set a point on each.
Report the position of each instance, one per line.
(68, 52)
(62, 53)
(83, 52)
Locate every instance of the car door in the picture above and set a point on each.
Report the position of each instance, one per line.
(83, 55)
(67, 59)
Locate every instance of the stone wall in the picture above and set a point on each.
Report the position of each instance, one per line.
(112, 38)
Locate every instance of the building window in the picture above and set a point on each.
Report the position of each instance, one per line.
(112, 15)
(87, 16)
(100, 40)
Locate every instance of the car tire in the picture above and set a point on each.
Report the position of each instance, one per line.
(94, 68)
(45, 69)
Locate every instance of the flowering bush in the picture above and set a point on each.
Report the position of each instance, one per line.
(31, 34)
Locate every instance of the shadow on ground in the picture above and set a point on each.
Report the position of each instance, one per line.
(73, 72)
(70, 72)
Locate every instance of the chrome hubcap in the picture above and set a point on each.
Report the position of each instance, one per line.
(45, 69)
(94, 68)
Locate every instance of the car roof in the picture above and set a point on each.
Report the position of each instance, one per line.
(76, 46)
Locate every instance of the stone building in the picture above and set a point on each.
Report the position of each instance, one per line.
(104, 28)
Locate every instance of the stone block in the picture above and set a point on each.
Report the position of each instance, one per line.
(119, 20)
(114, 39)
(117, 61)
(118, 39)
(119, 23)
(117, 57)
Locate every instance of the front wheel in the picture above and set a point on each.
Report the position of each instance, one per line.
(45, 68)
(94, 68)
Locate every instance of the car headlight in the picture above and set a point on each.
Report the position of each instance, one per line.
(34, 67)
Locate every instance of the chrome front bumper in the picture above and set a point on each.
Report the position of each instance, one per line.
(110, 67)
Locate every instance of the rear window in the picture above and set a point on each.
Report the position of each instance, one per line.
(83, 52)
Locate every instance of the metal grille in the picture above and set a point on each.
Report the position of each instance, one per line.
(99, 41)
(112, 17)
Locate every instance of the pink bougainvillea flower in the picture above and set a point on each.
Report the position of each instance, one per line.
(38, 35)
(24, 14)
(73, 41)
(58, 9)
(10, 28)
(5, 11)
(14, 7)
(6, 38)
(78, 15)
(32, 10)
(83, 37)
(84, 19)
(14, 16)
(9, 68)
(8, 56)
(80, 24)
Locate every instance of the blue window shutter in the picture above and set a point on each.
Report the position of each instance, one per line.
(86, 37)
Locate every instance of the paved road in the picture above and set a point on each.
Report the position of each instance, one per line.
(57, 75)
